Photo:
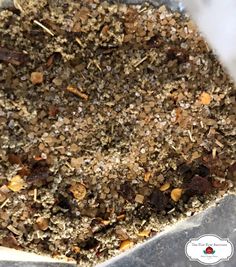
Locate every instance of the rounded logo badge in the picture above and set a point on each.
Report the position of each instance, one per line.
(209, 249)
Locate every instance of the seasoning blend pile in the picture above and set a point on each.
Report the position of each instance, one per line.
(115, 121)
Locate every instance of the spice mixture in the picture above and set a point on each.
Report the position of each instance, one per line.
(115, 121)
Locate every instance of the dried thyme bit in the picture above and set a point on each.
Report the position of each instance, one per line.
(191, 137)
(95, 62)
(18, 6)
(35, 194)
(97, 65)
(74, 90)
(79, 42)
(44, 27)
(4, 203)
(120, 217)
(69, 166)
(140, 62)
(219, 143)
(143, 9)
(214, 150)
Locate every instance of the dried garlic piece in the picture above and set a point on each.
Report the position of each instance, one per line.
(78, 190)
(36, 77)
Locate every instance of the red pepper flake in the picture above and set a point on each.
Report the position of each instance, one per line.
(53, 111)
(24, 171)
(38, 158)
(232, 172)
(127, 191)
(220, 184)
(50, 61)
(14, 159)
(158, 200)
(10, 241)
(13, 57)
(198, 186)
(39, 171)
